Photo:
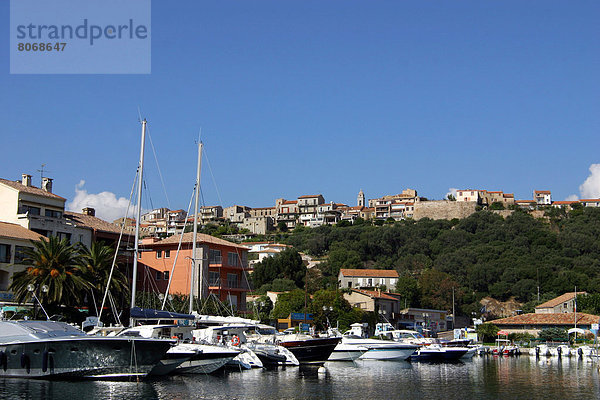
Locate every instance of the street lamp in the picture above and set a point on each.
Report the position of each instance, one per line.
(31, 288)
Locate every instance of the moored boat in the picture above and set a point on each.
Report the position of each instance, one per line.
(50, 349)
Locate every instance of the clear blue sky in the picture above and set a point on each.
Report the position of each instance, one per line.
(303, 97)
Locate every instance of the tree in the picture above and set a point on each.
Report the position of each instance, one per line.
(288, 303)
(56, 264)
(487, 332)
(95, 264)
(407, 287)
(282, 226)
(286, 264)
(497, 205)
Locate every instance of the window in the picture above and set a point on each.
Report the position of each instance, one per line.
(20, 254)
(232, 259)
(42, 232)
(63, 236)
(53, 214)
(139, 255)
(349, 284)
(158, 253)
(167, 253)
(214, 257)
(213, 278)
(4, 253)
(158, 275)
(232, 280)
(166, 275)
(29, 210)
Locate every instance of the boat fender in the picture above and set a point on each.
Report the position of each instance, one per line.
(235, 340)
(3, 360)
(25, 362)
(45, 356)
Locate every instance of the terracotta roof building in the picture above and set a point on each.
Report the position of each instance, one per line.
(222, 264)
(533, 323)
(14, 239)
(561, 304)
(367, 278)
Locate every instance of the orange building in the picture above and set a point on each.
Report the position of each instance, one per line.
(224, 267)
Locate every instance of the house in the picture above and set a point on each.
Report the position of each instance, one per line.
(542, 197)
(561, 304)
(210, 214)
(223, 267)
(39, 210)
(469, 195)
(375, 301)
(367, 278)
(14, 240)
(566, 204)
(264, 250)
(287, 212)
(257, 225)
(533, 323)
(423, 319)
(590, 202)
(398, 207)
(526, 204)
(236, 213)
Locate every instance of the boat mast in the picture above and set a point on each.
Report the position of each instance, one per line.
(136, 251)
(195, 235)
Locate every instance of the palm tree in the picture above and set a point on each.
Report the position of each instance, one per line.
(54, 263)
(96, 263)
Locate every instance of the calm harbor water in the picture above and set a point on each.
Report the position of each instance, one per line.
(487, 377)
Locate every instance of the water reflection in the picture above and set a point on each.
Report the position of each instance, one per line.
(482, 378)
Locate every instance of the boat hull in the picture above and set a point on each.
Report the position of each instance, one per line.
(81, 357)
(388, 353)
(443, 354)
(314, 350)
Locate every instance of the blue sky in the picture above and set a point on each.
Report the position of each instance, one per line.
(304, 97)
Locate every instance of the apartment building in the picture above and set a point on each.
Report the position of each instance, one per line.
(542, 197)
(223, 265)
(38, 209)
(287, 212)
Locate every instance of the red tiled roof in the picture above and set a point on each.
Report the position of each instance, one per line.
(589, 200)
(373, 273)
(559, 300)
(375, 294)
(30, 189)
(290, 202)
(95, 223)
(509, 195)
(201, 238)
(565, 202)
(308, 196)
(525, 201)
(542, 191)
(547, 319)
(14, 231)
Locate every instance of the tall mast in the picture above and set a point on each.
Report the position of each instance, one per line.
(193, 277)
(138, 217)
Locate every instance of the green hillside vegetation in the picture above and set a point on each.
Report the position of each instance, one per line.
(482, 255)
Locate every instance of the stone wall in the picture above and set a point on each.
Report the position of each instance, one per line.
(444, 209)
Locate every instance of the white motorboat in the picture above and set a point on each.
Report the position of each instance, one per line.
(206, 359)
(50, 349)
(355, 345)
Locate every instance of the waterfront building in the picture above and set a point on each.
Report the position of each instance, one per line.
(224, 267)
(367, 278)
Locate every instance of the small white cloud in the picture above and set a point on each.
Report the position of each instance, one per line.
(108, 207)
(590, 188)
(451, 191)
(572, 197)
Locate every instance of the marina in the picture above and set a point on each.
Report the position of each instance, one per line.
(484, 377)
